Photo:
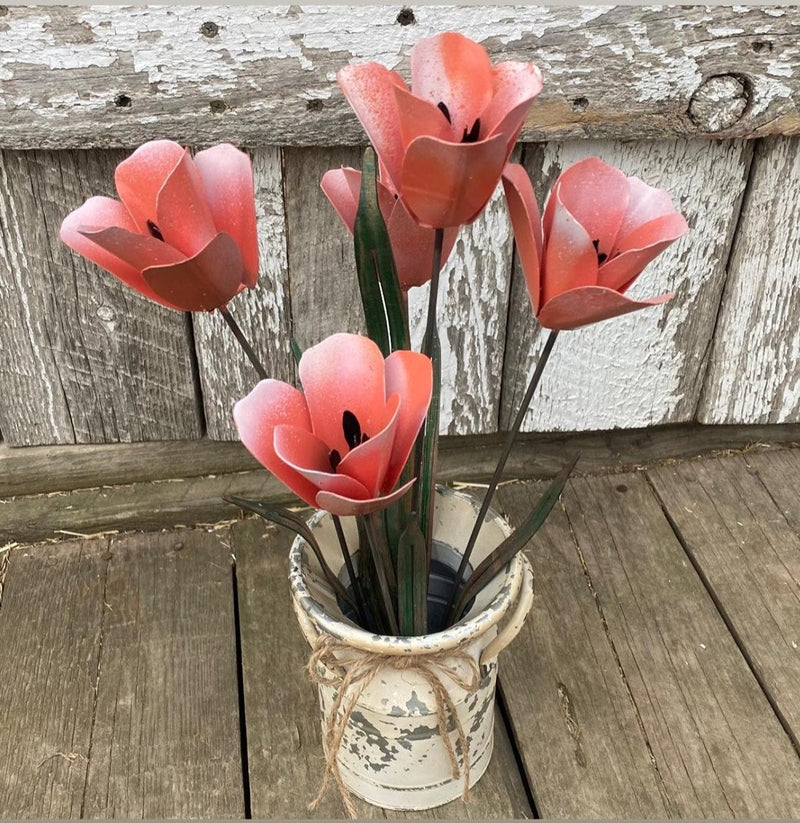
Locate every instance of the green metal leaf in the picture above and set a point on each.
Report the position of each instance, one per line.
(505, 552)
(384, 306)
(412, 580)
(281, 516)
(429, 452)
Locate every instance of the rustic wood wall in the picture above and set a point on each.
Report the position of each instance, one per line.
(700, 101)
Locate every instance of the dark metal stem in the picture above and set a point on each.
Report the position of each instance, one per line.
(248, 349)
(348, 562)
(501, 463)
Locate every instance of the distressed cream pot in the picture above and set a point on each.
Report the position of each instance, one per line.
(390, 751)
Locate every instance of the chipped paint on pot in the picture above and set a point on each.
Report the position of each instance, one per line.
(391, 752)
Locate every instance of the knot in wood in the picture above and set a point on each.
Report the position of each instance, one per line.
(720, 102)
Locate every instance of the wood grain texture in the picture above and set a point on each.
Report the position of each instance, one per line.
(779, 476)
(45, 469)
(322, 269)
(283, 728)
(153, 505)
(574, 723)
(264, 313)
(716, 742)
(101, 76)
(166, 729)
(472, 309)
(753, 375)
(51, 623)
(82, 357)
(645, 368)
(750, 556)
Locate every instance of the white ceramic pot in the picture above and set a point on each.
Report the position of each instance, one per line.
(390, 751)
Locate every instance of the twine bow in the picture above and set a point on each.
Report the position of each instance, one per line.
(352, 669)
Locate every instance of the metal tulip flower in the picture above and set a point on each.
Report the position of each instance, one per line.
(443, 143)
(343, 443)
(600, 230)
(412, 244)
(184, 233)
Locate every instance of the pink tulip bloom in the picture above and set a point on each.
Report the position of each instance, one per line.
(412, 244)
(443, 144)
(600, 230)
(341, 445)
(184, 234)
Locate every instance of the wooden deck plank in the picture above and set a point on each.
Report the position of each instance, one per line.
(51, 616)
(717, 744)
(283, 730)
(166, 732)
(750, 556)
(571, 714)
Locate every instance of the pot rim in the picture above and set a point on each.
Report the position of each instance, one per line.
(467, 629)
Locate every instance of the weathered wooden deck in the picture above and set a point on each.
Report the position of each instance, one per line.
(161, 674)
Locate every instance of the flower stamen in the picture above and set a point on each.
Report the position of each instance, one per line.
(155, 231)
(445, 111)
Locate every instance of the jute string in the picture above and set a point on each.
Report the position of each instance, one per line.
(351, 671)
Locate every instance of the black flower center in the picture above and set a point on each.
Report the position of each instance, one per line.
(470, 135)
(601, 255)
(353, 436)
(155, 231)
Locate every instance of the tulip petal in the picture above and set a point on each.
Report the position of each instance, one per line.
(409, 375)
(138, 250)
(343, 506)
(418, 117)
(270, 404)
(570, 260)
(306, 454)
(369, 88)
(590, 304)
(344, 372)
(182, 213)
(645, 204)
(368, 462)
(448, 184)
(452, 69)
(202, 283)
(596, 195)
(412, 246)
(139, 178)
(640, 248)
(527, 224)
(98, 214)
(227, 175)
(342, 187)
(515, 87)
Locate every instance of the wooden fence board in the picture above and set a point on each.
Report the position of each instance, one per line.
(576, 728)
(51, 617)
(717, 744)
(283, 730)
(82, 358)
(750, 557)
(264, 313)
(645, 368)
(103, 76)
(322, 272)
(166, 730)
(471, 317)
(753, 375)
(45, 469)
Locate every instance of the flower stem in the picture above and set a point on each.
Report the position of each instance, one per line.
(383, 567)
(501, 463)
(248, 349)
(348, 562)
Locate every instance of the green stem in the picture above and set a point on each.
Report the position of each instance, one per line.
(501, 463)
(239, 335)
(383, 566)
